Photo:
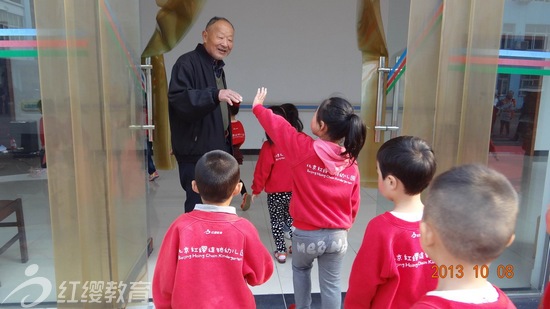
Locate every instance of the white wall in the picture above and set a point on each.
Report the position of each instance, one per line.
(303, 51)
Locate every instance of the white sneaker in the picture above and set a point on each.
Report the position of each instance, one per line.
(280, 257)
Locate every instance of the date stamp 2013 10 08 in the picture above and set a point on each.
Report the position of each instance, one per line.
(457, 271)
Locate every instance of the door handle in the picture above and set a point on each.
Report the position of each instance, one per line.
(386, 128)
(147, 68)
(141, 127)
(380, 98)
(378, 127)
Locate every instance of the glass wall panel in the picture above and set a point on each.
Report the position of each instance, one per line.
(22, 174)
(519, 139)
(81, 61)
(478, 92)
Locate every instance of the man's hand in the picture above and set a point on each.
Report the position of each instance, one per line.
(260, 96)
(229, 96)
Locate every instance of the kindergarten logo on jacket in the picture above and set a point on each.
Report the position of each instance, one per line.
(321, 171)
(279, 156)
(210, 252)
(413, 260)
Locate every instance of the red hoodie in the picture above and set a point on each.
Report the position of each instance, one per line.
(272, 171)
(325, 187)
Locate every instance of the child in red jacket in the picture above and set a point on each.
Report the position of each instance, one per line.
(209, 256)
(325, 191)
(390, 260)
(469, 220)
(273, 174)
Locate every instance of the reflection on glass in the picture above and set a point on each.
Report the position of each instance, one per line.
(519, 89)
(21, 172)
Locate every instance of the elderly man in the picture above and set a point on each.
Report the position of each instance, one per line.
(198, 98)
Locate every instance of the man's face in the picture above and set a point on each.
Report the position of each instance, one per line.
(218, 39)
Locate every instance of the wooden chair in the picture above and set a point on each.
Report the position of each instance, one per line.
(8, 207)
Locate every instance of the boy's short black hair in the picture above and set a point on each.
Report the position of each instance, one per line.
(410, 159)
(474, 210)
(216, 175)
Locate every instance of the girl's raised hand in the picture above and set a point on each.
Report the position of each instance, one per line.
(260, 96)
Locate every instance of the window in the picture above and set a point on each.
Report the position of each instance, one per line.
(508, 34)
(536, 35)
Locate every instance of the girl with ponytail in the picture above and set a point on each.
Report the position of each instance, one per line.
(325, 191)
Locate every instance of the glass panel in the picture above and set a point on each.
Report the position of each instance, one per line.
(447, 103)
(396, 27)
(394, 93)
(123, 94)
(372, 44)
(22, 175)
(85, 219)
(422, 60)
(517, 146)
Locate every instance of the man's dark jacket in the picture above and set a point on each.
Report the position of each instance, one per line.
(194, 109)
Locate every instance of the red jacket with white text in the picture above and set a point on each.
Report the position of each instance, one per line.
(272, 171)
(325, 186)
(391, 270)
(207, 260)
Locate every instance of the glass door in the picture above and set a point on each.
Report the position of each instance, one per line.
(26, 254)
(72, 71)
(519, 135)
(480, 96)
